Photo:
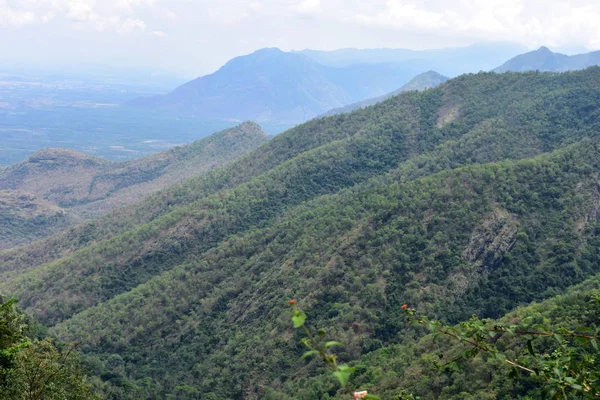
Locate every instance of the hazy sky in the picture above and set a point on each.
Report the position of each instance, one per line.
(197, 36)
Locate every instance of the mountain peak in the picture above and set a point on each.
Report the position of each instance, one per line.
(269, 50)
(544, 49)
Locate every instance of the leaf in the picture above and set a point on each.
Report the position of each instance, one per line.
(298, 320)
(540, 327)
(581, 340)
(309, 353)
(576, 386)
(530, 347)
(594, 344)
(331, 344)
(371, 396)
(343, 377)
(585, 330)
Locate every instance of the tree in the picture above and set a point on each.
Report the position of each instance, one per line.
(32, 369)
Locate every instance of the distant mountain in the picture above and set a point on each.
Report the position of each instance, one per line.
(74, 186)
(270, 85)
(427, 80)
(543, 59)
(450, 62)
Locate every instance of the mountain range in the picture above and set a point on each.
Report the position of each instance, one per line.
(271, 85)
(449, 61)
(477, 196)
(292, 87)
(287, 88)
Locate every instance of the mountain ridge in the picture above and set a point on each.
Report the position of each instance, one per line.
(426, 80)
(86, 187)
(543, 59)
(292, 87)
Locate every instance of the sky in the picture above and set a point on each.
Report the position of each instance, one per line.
(195, 37)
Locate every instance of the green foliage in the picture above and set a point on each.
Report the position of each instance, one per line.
(32, 369)
(567, 368)
(316, 346)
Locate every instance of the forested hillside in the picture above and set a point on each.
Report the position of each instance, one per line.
(425, 367)
(80, 187)
(475, 197)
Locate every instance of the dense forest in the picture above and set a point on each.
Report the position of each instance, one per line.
(477, 197)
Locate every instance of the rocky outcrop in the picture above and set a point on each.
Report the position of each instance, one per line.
(491, 240)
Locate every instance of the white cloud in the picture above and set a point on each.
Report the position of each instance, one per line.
(14, 16)
(534, 22)
(170, 15)
(160, 34)
(105, 15)
(308, 7)
(130, 25)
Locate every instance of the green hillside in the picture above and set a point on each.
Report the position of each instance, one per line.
(410, 367)
(24, 218)
(86, 187)
(474, 197)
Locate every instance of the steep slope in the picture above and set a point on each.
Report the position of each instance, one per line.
(322, 168)
(24, 218)
(354, 259)
(86, 187)
(545, 60)
(409, 367)
(271, 85)
(426, 80)
(190, 297)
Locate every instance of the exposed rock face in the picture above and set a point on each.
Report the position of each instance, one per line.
(490, 241)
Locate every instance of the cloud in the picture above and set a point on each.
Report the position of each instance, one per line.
(535, 22)
(170, 15)
(14, 16)
(308, 7)
(106, 15)
(160, 34)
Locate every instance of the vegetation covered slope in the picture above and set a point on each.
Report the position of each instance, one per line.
(477, 240)
(86, 187)
(24, 217)
(477, 104)
(425, 366)
(356, 213)
(423, 81)
(545, 60)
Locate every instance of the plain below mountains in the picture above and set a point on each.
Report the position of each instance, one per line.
(270, 85)
(54, 188)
